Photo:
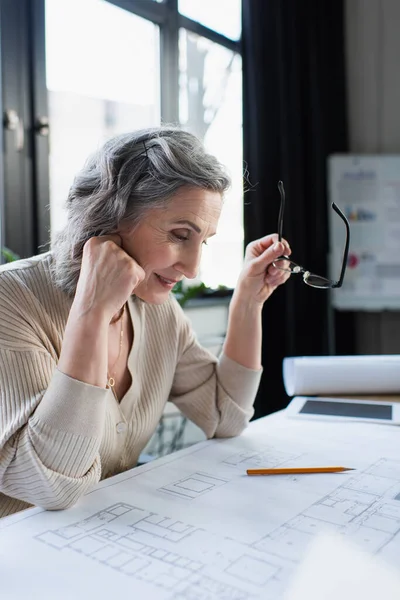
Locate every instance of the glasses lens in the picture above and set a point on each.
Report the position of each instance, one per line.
(285, 264)
(317, 281)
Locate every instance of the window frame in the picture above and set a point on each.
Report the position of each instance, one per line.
(18, 205)
(24, 176)
(166, 15)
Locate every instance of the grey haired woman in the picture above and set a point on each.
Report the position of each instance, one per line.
(92, 342)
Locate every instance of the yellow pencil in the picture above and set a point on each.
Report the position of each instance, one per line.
(298, 471)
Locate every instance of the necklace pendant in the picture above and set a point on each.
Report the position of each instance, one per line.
(111, 382)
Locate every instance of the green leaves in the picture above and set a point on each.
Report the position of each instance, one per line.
(9, 255)
(183, 295)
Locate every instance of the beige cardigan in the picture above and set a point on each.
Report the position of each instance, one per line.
(59, 436)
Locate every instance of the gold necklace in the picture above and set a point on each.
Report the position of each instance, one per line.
(111, 379)
(121, 312)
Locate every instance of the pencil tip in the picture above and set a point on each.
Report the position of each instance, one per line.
(349, 469)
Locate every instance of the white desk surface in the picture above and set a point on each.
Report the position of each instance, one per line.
(194, 526)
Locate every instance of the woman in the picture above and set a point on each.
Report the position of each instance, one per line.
(92, 342)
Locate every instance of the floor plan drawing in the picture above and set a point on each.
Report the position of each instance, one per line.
(194, 526)
(269, 458)
(366, 508)
(196, 484)
(174, 555)
(193, 486)
(152, 548)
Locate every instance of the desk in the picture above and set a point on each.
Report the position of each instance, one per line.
(194, 526)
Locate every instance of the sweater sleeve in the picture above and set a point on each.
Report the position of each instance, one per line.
(216, 394)
(50, 431)
(50, 425)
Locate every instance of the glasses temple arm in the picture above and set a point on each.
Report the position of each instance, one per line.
(347, 244)
(281, 210)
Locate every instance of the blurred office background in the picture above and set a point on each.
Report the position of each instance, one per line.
(273, 87)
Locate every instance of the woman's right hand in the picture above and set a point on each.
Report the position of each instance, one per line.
(108, 276)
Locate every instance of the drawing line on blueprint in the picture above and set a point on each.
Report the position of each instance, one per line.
(151, 547)
(366, 508)
(268, 458)
(194, 485)
(182, 559)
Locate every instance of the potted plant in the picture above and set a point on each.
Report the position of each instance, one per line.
(183, 294)
(8, 255)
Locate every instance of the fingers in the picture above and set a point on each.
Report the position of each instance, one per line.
(275, 277)
(258, 247)
(270, 254)
(287, 251)
(95, 243)
(108, 275)
(112, 237)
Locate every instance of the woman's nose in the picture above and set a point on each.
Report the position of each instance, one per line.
(190, 263)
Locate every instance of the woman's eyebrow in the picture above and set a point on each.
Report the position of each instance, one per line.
(190, 223)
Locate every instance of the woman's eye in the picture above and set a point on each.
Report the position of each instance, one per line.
(180, 237)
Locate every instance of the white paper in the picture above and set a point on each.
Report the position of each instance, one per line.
(194, 525)
(334, 568)
(325, 375)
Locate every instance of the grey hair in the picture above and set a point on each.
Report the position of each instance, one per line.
(130, 175)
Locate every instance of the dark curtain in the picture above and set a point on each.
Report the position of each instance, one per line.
(294, 117)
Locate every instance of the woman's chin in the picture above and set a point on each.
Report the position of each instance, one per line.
(152, 296)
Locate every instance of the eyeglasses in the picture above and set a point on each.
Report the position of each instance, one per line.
(285, 263)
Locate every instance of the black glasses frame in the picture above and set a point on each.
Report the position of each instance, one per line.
(310, 278)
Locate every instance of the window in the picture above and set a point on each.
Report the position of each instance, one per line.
(222, 16)
(117, 65)
(98, 88)
(210, 105)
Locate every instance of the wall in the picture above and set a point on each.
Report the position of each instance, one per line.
(373, 83)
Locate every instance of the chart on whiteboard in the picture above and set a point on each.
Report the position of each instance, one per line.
(367, 189)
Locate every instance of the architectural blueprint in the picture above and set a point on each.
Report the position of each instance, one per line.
(194, 526)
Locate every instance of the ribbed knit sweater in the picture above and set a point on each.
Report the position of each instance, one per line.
(60, 436)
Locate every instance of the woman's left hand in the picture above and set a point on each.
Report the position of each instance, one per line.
(259, 278)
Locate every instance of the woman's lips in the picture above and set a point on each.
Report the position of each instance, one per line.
(165, 281)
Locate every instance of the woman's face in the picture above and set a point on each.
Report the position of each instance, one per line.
(168, 243)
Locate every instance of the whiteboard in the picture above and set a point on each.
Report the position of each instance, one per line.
(367, 189)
